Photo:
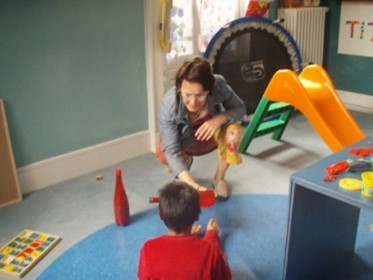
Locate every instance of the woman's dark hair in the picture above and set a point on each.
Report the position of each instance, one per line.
(196, 70)
(179, 206)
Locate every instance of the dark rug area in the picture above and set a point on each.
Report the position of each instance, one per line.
(253, 237)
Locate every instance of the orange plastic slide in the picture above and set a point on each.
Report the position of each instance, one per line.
(313, 93)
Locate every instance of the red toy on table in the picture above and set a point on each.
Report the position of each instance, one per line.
(358, 165)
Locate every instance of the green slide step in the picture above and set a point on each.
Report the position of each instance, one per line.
(269, 117)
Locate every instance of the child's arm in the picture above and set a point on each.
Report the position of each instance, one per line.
(212, 231)
(222, 270)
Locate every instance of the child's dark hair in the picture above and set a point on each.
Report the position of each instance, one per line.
(179, 206)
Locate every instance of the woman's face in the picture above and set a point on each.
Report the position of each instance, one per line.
(194, 96)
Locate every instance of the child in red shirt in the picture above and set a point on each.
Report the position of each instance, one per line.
(181, 254)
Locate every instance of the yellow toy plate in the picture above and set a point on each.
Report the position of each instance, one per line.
(351, 184)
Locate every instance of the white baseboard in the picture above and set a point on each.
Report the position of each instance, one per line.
(54, 170)
(356, 101)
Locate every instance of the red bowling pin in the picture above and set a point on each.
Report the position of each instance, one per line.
(121, 206)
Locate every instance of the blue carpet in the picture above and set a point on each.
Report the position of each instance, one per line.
(253, 236)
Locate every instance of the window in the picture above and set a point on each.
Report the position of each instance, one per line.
(194, 23)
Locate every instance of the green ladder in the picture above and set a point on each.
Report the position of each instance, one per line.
(269, 117)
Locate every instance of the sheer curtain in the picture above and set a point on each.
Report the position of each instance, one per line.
(193, 23)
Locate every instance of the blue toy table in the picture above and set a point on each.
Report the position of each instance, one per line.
(323, 219)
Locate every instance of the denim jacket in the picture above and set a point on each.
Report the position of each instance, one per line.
(176, 127)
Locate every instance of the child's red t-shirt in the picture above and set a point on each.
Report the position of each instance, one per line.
(183, 257)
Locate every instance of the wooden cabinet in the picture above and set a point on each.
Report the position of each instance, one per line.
(9, 185)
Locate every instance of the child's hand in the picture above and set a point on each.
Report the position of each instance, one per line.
(196, 229)
(213, 225)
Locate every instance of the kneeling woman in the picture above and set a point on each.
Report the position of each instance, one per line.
(199, 114)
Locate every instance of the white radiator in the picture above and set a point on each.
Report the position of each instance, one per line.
(307, 26)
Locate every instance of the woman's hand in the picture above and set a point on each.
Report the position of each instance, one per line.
(209, 127)
(186, 177)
